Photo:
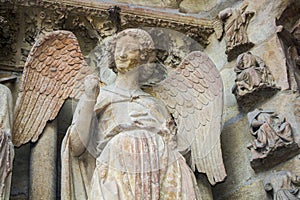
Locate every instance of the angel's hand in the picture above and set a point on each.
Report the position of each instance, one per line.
(91, 85)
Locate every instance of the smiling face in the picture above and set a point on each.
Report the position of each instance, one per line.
(127, 54)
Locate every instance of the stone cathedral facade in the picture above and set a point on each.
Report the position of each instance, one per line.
(253, 45)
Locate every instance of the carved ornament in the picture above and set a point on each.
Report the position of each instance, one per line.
(274, 141)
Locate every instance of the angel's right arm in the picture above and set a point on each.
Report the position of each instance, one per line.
(82, 119)
(81, 125)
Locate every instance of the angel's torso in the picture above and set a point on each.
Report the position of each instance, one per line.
(121, 111)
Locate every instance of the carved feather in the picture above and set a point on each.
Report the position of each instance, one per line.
(54, 71)
(197, 108)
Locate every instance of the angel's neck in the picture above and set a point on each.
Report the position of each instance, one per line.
(127, 81)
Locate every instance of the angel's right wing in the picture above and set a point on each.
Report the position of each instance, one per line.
(55, 70)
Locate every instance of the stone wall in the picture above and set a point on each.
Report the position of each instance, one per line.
(243, 182)
(21, 22)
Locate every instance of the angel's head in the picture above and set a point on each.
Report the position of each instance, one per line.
(133, 48)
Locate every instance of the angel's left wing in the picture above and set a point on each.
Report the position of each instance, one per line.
(193, 93)
(55, 70)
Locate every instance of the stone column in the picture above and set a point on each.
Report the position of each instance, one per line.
(43, 165)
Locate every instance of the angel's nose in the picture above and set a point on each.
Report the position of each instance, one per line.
(123, 53)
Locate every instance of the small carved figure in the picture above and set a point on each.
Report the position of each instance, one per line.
(296, 35)
(284, 185)
(251, 75)
(6, 146)
(132, 147)
(271, 131)
(295, 54)
(236, 23)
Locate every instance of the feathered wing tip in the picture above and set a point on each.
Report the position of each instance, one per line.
(193, 93)
(54, 70)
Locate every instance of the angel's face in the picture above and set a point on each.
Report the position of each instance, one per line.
(127, 54)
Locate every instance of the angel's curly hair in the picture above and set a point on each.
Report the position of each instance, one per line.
(146, 46)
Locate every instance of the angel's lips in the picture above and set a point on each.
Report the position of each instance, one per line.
(125, 65)
(121, 61)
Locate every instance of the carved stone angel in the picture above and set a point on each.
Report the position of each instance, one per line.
(125, 143)
(124, 136)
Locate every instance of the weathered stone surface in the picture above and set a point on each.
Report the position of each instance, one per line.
(43, 157)
(89, 23)
(290, 165)
(204, 187)
(20, 178)
(236, 156)
(272, 53)
(236, 21)
(253, 81)
(283, 184)
(273, 141)
(152, 3)
(196, 6)
(57, 82)
(250, 190)
(130, 153)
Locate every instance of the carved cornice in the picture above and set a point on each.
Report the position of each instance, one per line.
(197, 28)
(89, 21)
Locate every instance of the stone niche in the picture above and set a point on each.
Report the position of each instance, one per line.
(272, 32)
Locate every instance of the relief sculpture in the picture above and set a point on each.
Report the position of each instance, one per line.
(123, 133)
(283, 185)
(290, 42)
(296, 35)
(236, 23)
(252, 79)
(274, 139)
(126, 142)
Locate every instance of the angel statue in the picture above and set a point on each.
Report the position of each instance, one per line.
(126, 142)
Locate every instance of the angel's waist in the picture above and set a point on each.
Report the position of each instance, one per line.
(124, 130)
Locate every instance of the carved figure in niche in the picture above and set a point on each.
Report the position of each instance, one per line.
(271, 131)
(284, 185)
(236, 23)
(293, 55)
(132, 147)
(296, 35)
(6, 146)
(252, 76)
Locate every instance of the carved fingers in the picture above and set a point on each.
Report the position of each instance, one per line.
(92, 86)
